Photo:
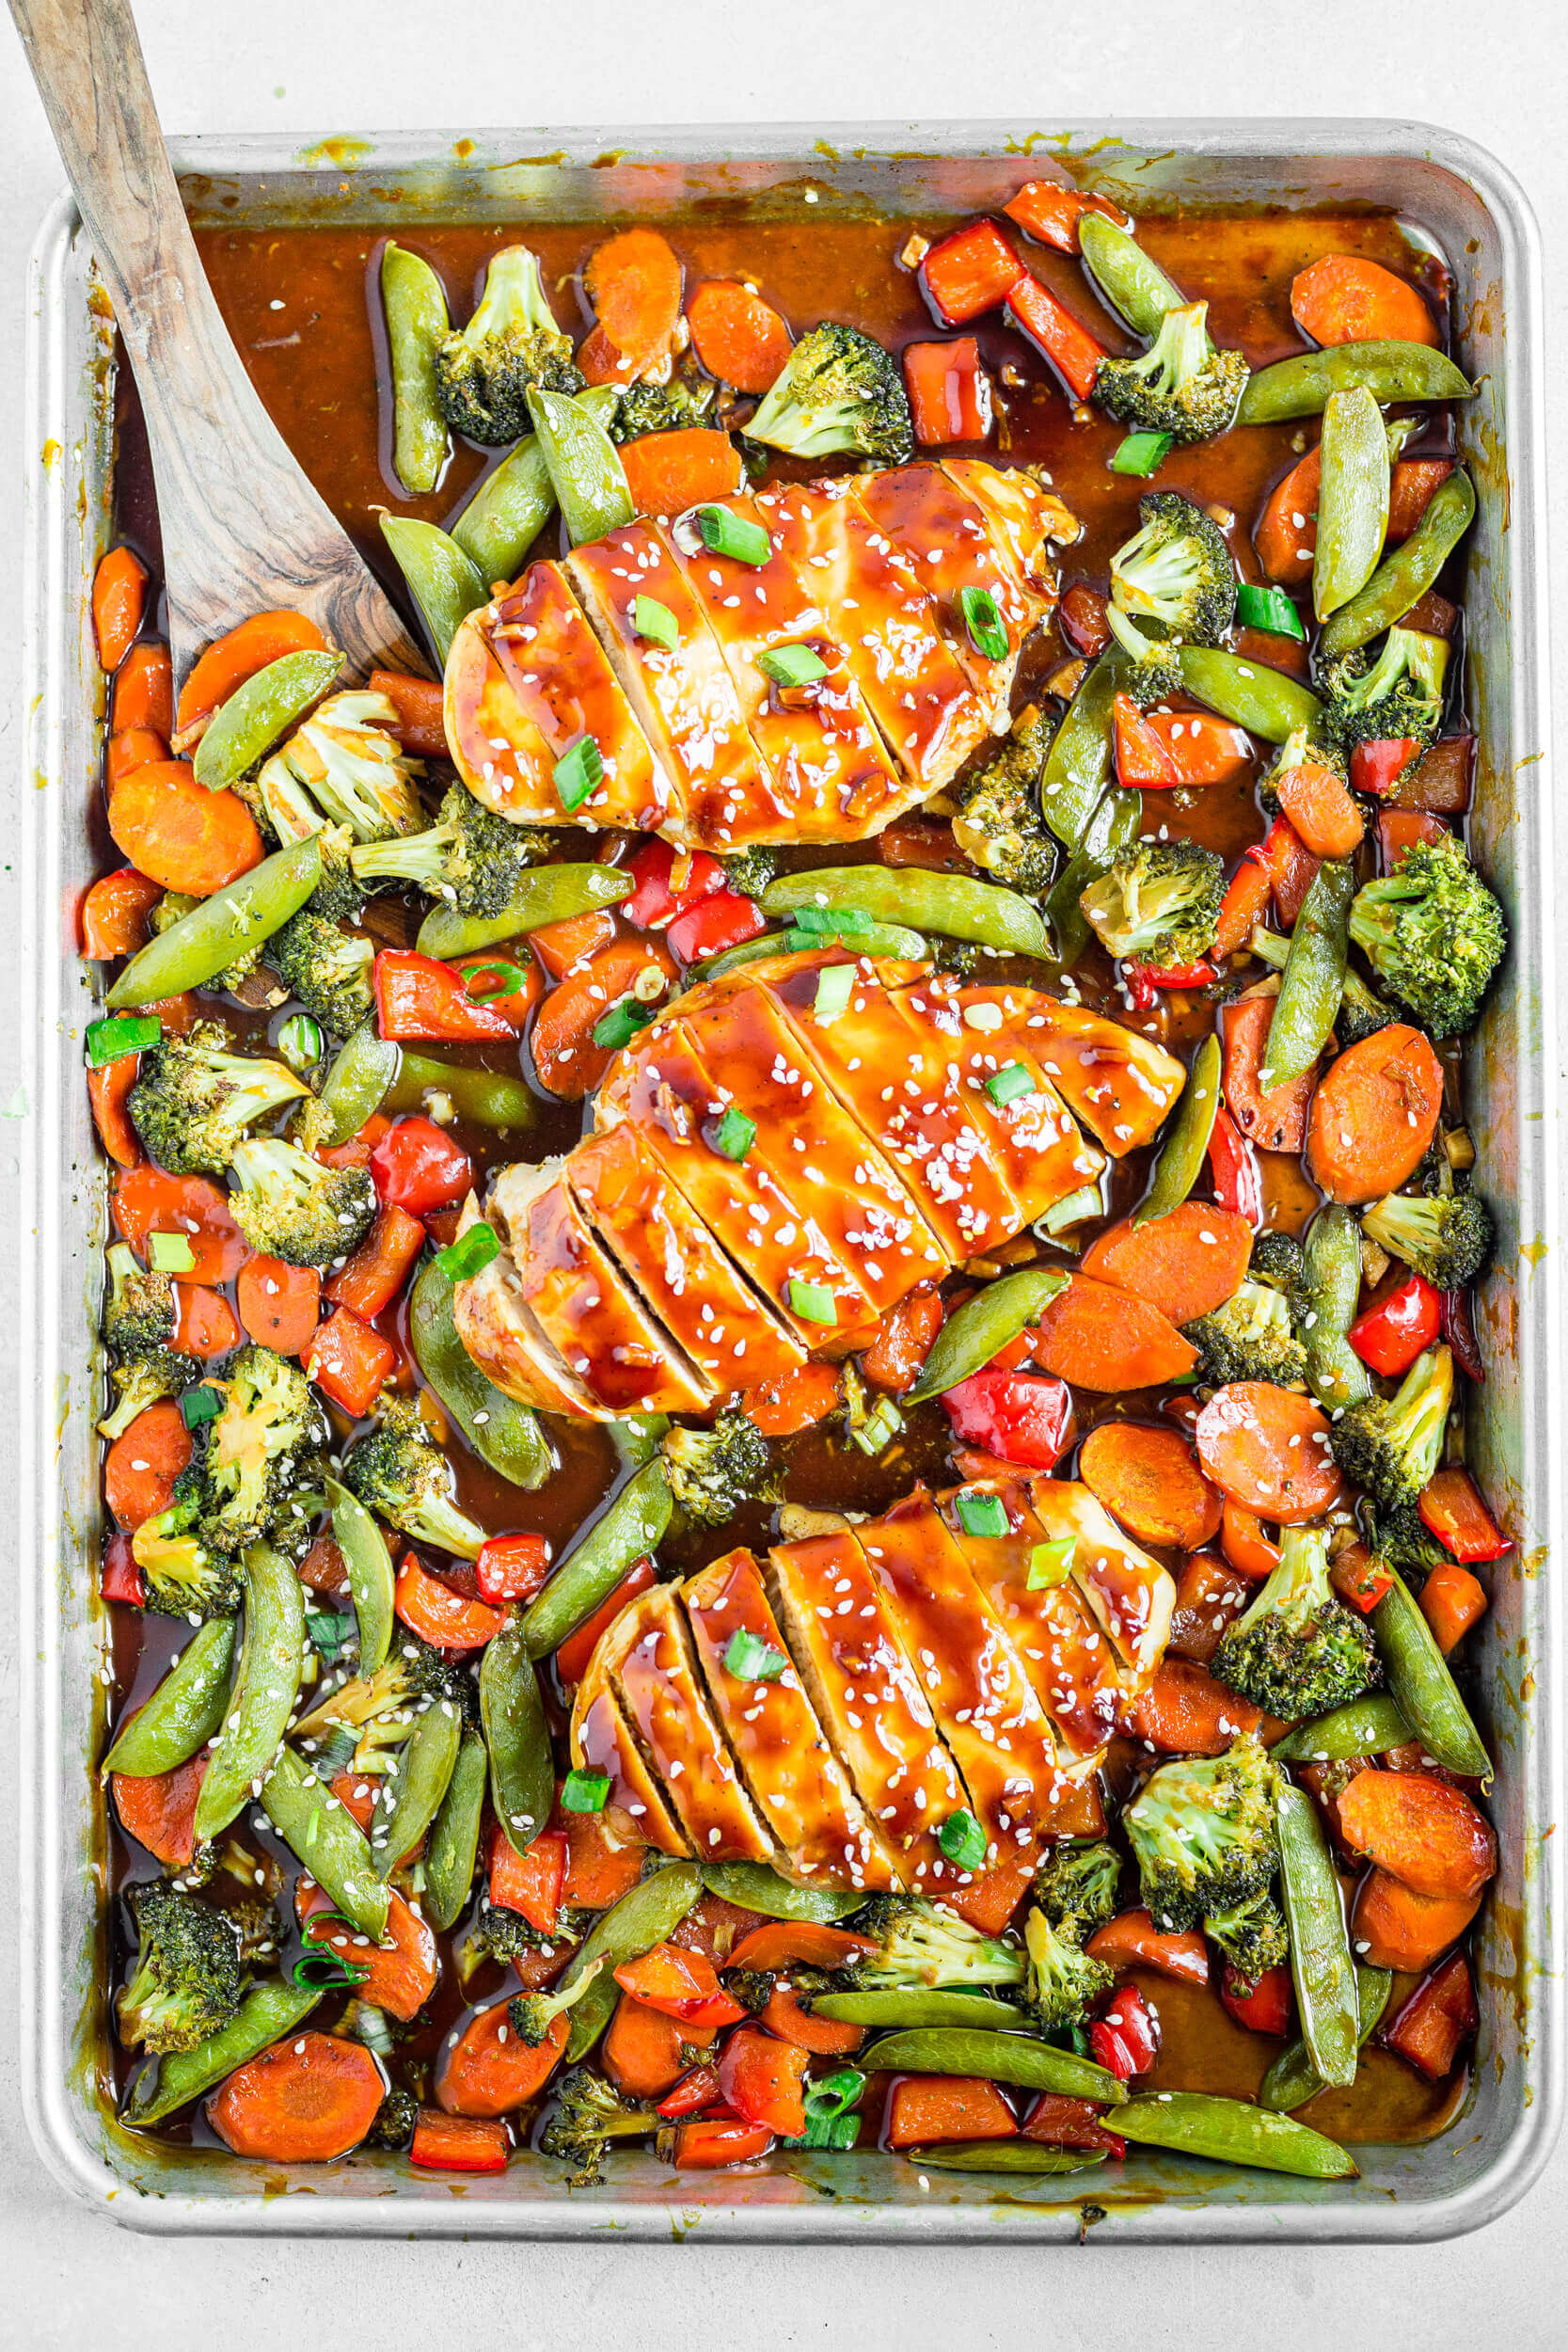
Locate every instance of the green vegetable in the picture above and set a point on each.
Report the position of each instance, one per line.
(1391, 1446)
(506, 1436)
(1324, 1301)
(266, 1683)
(978, 1514)
(1300, 387)
(485, 1098)
(1292, 2079)
(454, 1847)
(633, 1525)
(170, 1253)
(584, 1792)
(1186, 1144)
(579, 773)
(547, 894)
(259, 712)
(645, 1916)
(734, 535)
(998, 2057)
(369, 1573)
(1433, 934)
(1321, 1962)
(1368, 1726)
(220, 929)
(488, 372)
(355, 1087)
(469, 1254)
(793, 665)
(443, 581)
(268, 2012)
(1444, 1238)
(654, 622)
(1296, 1650)
(400, 1474)
(411, 1792)
(185, 1711)
(983, 1324)
(1202, 1833)
(194, 1102)
(1141, 453)
(1012, 2156)
(328, 1840)
(1196, 2124)
(837, 393)
(1268, 607)
(952, 904)
(292, 1206)
(920, 2008)
(1353, 501)
(1183, 385)
(1421, 1686)
(1402, 579)
(1176, 571)
(1158, 902)
(584, 466)
(1114, 826)
(1130, 280)
(112, 1040)
(1265, 701)
(507, 512)
(983, 623)
(522, 1777)
(414, 304)
(1079, 763)
(1313, 981)
(753, 1886)
(961, 1836)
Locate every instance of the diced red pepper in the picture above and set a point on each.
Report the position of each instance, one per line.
(530, 1883)
(350, 1361)
(763, 2079)
(444, 1618)
(1441, 778)
(657, 898)
(1233, 1167)
(1437, 2019)
(1433, 615)
(1359, 1579)
(1414, 482)
(1292, 868)
(1399, 1327)
(1052, 213)
(1142, 759)
(695, 2091)
(1459, 1329)
(378, 1269)
(705, 2144)
(1081, 617)
(1266, 2008)
(1021, 1417)
(1402, 830)
(1072, 351)
(716, 923)
(512, 1567)
(417, 1167)
(417, 999)
(949, 391)
(571, 1659)
(1244, 904)
(969, 272)
(121, 1580)
(1451, 1507)
(1059, 2122)
(458, 2143)
(1126, 2040)
(1377, 767)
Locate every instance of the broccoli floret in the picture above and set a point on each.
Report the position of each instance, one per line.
(837, 394)
(1062, 1982)
(589, 2114)
(329, 969)
(531, 2015)
(1202, 1831)
(713, 1471)
(999, 825)
(187, 1979)
(1433, 934)
(1446, 1238)
(339, 894)
(395, 2120)
(753, 1987)
(1181, 386)
(145, 1380)
(1277, 1259)
(292, 1207)
(263, 1445)
(469, 857)
(1398, 695)
(184, 1575)
(1160, 902)
(1176, 569)
(1390, 1446)
(1253, 1937)
(1297, 1650)
(382, 1708)
(1153, 674)
(1403, 1541)
(1361, 1014)
(195, 1101)
(673, 408)
(139, 1316)
(1076, 1884)
(1251, 1337)
(259, 1929)
(485, 371)
(345, 766)
(399, 1475)
(749, 874)
(917, 1943)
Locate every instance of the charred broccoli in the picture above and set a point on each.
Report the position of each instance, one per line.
(673, 408)
(918, 1944)
(749, 874)
(1277, 1260)
(1181, 386)
(327, 968)
(531, 2015)
(485, 371)
(1251, 1337)
(184, 1575)
(139, 1317)
(713, 1471)
(399, 1474)
(263, 1445)
(1176, 569)
(1403, 1541)
(1061, 1982)
(383, 1707)
(187, 1979)
(293, 1207)
(837, 394)
(1433, 934)
(1202, 1831)
(1252, 1935)
(195, 1103)
(343, 765)
(1398, 696)
(1152, 673)
(1447, 1239)
(1160, 902)
(1298, 1651)
(589, 2114)
(395, 2120)
(1076, 1884)
(999, 825)
(1391, 1446)
(470, 858)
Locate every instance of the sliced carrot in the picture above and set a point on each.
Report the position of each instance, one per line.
(530, 1883)
(564, 1054)
(1150, 1482)
(279, 1305)
(1245, 1545)
(645, 2052)
(400, 1970)
(108, 1092)
(306, 2100)
(1402, 830)
(143, 696)
(458, 2143)
(141, 1466)
(1209, 1596)
(1051, 213)
(204, 1323)
(992, 1897)
(138, 747)
(633, 281)
(1286, 537)
(264, 637)
(1429, 2030)
(715, 1927)
(1268, 1449)
(1098, 1337)
(490, 2069)
(1059, 2122)
(781, 1944)
(706, 2144)
(1421, 1830)
(1452, 1600)
(737, 337)
(598, 1872)
(1244, 906)
(177, 1014)
(147, 1201)
(1374, 1115)
(115, 913)
(926, 2109)
(182, 835)
(445, 1618)
(1271, 1120)
(159, 1811)
(1131, 1940)
(376, 1272)
(1184, 1264)
(1415, 482)
(1393, 1927)
(118, 594)
(798, 1399)
(1320, 806)
(903, 1341)
(356, 1795)
(571, 1659)
(1184, 1712)
(785, 2014)
(420, 725)
(1345, 299)
(667, 472)
(573, 940)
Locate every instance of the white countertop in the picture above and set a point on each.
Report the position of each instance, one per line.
(305, 70)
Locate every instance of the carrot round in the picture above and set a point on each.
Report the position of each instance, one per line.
(1267, 1449)
(118, 593)
(141, 1466)
(1184, 1712)
(667, 472)
(1150, 1484)
(1421, 1830)
(115, 913)
(1345, 299)
(138, 747)
(564, 1054)
(1131, 1940)
(146, 1201)
(143, 693)
(1286, 537)
(1374, 1115)
(264, 637)
(279, 1305)
(1184, 1264)
(1097, 1337)
(737, 337)
(420, 726)
(108, 1092)
(1393, 1927)
(1275, 1121)
(643, 2049)
(179, 833)
(634, 284)
(304, 2101)
(204, 1322)
(400, 1971)
(159, 1812)
(489, 2069)
(1319, 804)
(1245, 1545)
(796, 1400)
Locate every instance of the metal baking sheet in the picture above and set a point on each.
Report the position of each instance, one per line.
(1467, 203)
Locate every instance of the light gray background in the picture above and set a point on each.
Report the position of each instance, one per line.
(309, 68)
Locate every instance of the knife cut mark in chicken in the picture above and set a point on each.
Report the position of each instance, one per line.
(913, 1676)
(649, 1271)
(698, 742)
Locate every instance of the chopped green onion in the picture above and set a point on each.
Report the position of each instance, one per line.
(962, 1840)
(1269, 609)
(482, 981)
(655, 622)
(1141, 452)
(469, 1254)
(828, 2130)
(329, 1633)
(1005, 1085)
(1072, 1208)
(734, 1135)
(984, 623)
(835, 987)
(584, 1792)
(300, 1041)
(199, 1405)
(620, 1025)
(170, 1253)
(830, 2122)
(791, 665)
(879, 1427)
(832, 922)
(120, 1034)
(577, 773)
(724, 534)
(812, 1302)
(1051, 1563)
(324, 1971)
(749, 1659)
(982, 1514)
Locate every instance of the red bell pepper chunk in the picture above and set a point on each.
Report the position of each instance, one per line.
(1081, 617)
(1244, 904)
(1399, 1327)
(417, 1167)
(1459, 1330)
(1359, 1580)
(444, 1618)
(1021, 1417)
(1144, 980)
(376, 1273)
(1292, 868)
(970, 271)
(1266, 2008)
(1451, 1507)
(1061, 2122)
(694, 2091)
(121, 1580)
(1439, 2016)
(949, 391)
(1377, 767)
(1051, 213)
(714, 923)
(1402, 830)
(571, 1659)
(512, 1567)
(530, 1883)
(1052, 330)
(350, 1361)
(1234, 1165)
(705, 2144)
(1142, 759)
(764, 2080)
(418, 999)
(655, 898)
(1126, 2040)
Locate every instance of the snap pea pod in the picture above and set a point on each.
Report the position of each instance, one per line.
(1300, 387)
(951, 904)
(409, 1796)
(507, 512)
(442, 581)
(1353, 498)
(1313, 981)
(985, 1322)
(487, 1098)
(1000, 2057)
(505, 1434)
(584, 466)
(918, 2009)
(454, 1847)
(268, 2012)
(633, 1525)
(1229, 2131)
(258, 712)
(645, 1916)
(548, 894)
(755, 1887)
(369, 1563)
(1292, 2079)
(1116, 820)
(266, 1684)
(1130, 280)
(1184, 1149)
(892, 940)
(1402, 579)
(1330, 1290)
(413, 305)
(1421, 1686)
(328, 1840)
(1364, 1726)
(355, 1085)
(753, 951)
(185, 1709)
(1321, 1962)
(219, 929)
(1356, 999)
(637, 1439)
(1078, 765)
(1265, 701)
(522, 1777)
(1025, 2156)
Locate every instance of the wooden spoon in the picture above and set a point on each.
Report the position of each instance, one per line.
(242, 528)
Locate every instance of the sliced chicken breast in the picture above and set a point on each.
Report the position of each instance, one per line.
(498, 1329)
(648, 1660)
(943, 539)
(602, 1742)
